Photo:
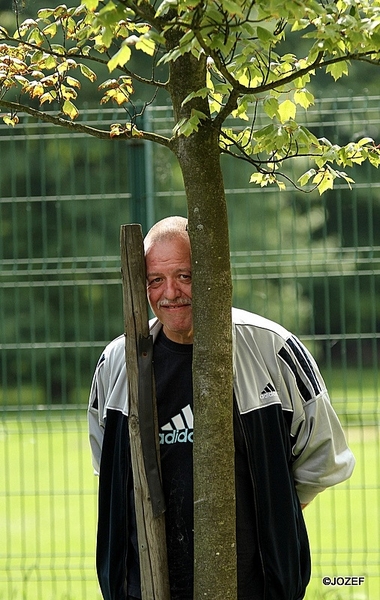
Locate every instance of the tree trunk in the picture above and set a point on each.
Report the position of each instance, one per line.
(214, 485)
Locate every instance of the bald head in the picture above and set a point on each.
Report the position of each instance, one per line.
(166, 229)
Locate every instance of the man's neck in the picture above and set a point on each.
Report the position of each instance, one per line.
(179, 337)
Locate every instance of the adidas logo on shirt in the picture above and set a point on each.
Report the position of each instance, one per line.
(268, 392)
(179, 429)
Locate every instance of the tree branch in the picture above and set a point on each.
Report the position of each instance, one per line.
(243, 155)
(239, 89)
(126, 134)
(317, 64)
(258, 165)
(276, 83)
(228, 108)
(86, 57)
(124, 70)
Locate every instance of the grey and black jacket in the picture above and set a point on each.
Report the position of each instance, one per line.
(296, 449)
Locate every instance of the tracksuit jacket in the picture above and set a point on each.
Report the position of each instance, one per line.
(295, 444)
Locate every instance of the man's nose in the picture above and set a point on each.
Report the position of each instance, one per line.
(171, 289)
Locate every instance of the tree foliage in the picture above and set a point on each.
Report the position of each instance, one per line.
(241, 42)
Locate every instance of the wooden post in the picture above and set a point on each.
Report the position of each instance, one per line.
(143, 430)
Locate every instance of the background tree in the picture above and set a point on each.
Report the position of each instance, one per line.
(214, 59)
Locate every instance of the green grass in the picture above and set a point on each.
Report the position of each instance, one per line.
(48, 514)
(343, 525)
(48, 508)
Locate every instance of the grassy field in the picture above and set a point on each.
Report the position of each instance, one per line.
(343, 525)
(48, 508)
(48, 514)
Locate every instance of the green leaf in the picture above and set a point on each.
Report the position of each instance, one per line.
(170, 56)
(120, 58)
(69, 109)
(60, 11)
(36, 37)
(109, 83)
(87, 72)
(286, 110)
(203, 93)
(146, 44)
(50, 62)
(48, 97)
(91, 4)
(232, 7)
(50, 29)
(241, 112)
(324, 180)
(304, 98)
(374, 158)
(36, 57)
(304, 179)
(305, 138)
(178, 126)
(264, 34)
(45, 13)
(338, 69)
(73, 82)
(9, 120)
(364, 141)
(187, 126)
(263, 179)
(259, 179)
(300, 24)
(347, 179)
(165, 6)
(58, 49)
(271, 106)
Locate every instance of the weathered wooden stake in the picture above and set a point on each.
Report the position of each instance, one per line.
(142, 420)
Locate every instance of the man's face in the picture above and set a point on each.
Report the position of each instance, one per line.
(168, 268)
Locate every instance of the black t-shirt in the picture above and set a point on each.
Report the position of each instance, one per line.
(174, 394)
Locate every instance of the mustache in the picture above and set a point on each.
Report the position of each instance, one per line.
(177, 302)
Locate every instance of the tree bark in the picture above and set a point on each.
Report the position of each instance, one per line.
(214, 485)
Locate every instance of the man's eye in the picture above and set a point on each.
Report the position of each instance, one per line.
(155, 281)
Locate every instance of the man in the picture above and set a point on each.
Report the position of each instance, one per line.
(289, 445)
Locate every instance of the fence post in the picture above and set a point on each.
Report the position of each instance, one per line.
(143, 429)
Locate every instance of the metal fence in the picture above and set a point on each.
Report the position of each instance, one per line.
(311, 263)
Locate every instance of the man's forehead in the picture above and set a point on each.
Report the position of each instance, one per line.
(164, 249)
(172, 263)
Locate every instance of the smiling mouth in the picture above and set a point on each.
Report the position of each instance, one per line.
(174, 306)
(181, 303)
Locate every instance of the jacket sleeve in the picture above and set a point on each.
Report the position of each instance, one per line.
(108, 392)
(95, 413)
(321, 457)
